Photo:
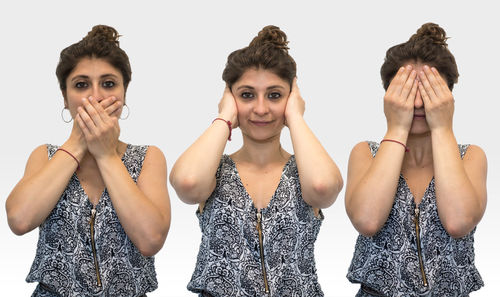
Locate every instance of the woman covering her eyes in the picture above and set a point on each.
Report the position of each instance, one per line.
(260, 207)
(417, 196)
(101, 205)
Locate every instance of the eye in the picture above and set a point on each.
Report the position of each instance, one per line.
(81, 85)
(247, 95)
(108, 84)
(274, 95)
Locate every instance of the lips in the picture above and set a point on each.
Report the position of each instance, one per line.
(260, 123)
(419, 116)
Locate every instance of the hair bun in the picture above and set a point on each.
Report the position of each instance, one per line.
(433, 32)
(104, 33)
(271, 35)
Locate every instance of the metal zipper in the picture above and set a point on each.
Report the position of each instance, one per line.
(261, 246)
(94, 253)
(419, 249)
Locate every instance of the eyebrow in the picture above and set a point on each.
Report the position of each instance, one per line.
(87, 77)
(268, 88)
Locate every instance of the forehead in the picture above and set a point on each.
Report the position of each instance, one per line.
(94, 67)
(260, 78)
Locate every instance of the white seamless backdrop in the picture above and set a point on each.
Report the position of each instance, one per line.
(178, 50)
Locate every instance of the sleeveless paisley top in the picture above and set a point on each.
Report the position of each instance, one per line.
(235, 260)
(398, 261)
(69, 262)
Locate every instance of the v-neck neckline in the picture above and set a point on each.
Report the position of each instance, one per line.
(247, 195)
(411, 193)
(101, 197)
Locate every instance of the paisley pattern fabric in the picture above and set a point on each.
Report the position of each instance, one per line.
(64, 261)
(388, 262)
(229, 262)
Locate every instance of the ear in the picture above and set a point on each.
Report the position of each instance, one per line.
(65, 98)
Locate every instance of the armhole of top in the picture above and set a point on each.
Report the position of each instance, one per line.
(463, 149)
(373, 147)
(225, 159)
(51, 150)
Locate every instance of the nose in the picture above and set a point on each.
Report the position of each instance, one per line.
(261, 106)
(419, 102)
(96, 92)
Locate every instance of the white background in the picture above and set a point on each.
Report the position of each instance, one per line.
(178, 51)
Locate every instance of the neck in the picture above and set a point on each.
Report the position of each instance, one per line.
(420, 153)
(261, 153)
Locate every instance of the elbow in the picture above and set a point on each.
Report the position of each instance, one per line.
(18, 225)
(366, 225)
(324, 193)
(186, 189)
(459, 228)
(153, 245)
(367, 229)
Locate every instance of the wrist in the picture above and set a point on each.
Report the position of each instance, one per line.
(76, 149)
(398, 134)
(293, 118)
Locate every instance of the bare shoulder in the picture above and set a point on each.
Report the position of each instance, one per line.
(154, 164)
(361, 151)
(37, 159)
(475, 160)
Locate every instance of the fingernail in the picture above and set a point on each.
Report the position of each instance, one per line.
(84, 99)
(113, 98)
(408, 67)
(426, 67)
(91, 98)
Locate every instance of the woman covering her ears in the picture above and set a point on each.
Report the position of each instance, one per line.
(101, 205)
(260, 207)
(416, 196)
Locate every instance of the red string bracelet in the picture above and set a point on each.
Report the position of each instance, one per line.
(229, 125)
(392, 140)
(77, 162)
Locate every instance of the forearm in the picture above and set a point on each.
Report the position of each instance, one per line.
(193, 174)
(34, 197)
(320, 178)
(369, 200)
(458, 203)
(143, 222)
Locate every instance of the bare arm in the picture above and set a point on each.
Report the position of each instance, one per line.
(44, 181)
(372, 182)
(193, 174)
(460, 184)
(143, 208)
(320, 178)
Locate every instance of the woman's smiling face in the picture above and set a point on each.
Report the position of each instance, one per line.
(261, 98)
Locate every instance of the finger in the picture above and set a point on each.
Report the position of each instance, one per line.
(86, 118)
(403, 78)
(442, 83)
(408, 85)
(427, 86)
(113, 109)
(436, 87)
(295, 86)
(413, 93)
(425, 96)
(395, 79)
(83, 126)
(98, 107)
(108, 102)
(88, 105)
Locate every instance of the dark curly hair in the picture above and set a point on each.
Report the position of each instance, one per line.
(268, 50)
(427, 46)
(101, 42)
